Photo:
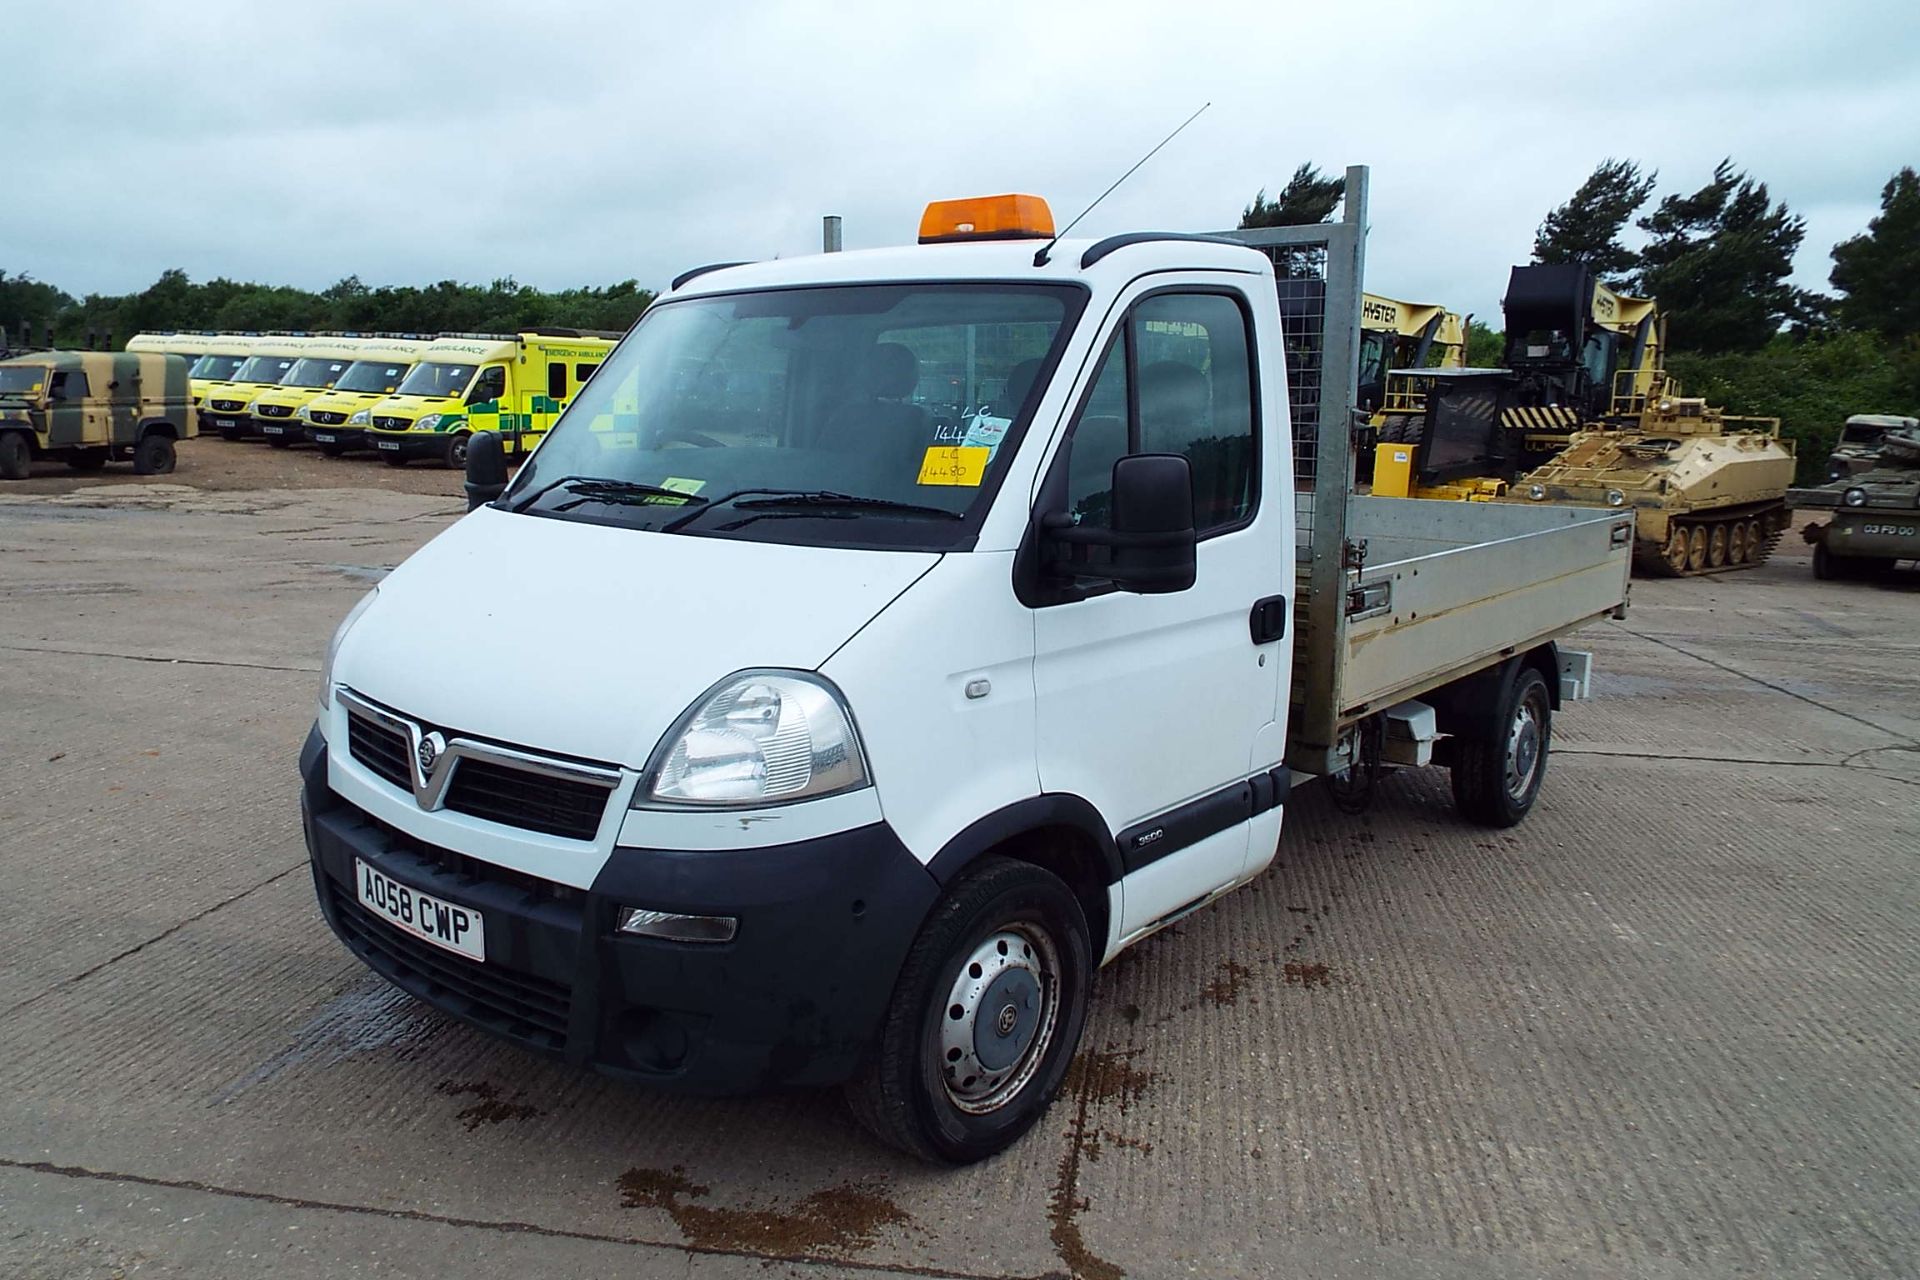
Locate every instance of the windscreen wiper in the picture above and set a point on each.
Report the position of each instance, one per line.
(824, 500)
(604, 489)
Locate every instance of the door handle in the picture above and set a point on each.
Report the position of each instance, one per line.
(1268, 620)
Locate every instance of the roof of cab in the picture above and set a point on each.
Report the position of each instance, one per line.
(1010, 260)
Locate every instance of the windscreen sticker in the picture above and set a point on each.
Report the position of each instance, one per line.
(679, 484)
(964, 465)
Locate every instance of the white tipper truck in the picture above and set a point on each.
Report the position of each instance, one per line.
(921, 628)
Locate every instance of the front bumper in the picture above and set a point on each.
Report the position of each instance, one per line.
(233, 425)
(408, 444)
(288, 428)
(341, 437)
(795, 999)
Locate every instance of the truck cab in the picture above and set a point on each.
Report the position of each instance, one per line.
(227, 407)
(277, 413)
(336, 420)
(514, 385)
(87, 408)
(224, 355)
(921, 634)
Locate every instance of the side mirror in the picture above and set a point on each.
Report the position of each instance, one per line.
(1154, 541)
(1151, 546)
(486, 469)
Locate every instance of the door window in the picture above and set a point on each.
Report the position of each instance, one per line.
(68, 386)
(1177, 378)
(490, 385)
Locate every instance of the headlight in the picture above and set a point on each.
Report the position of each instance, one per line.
(333, 646)
(301, 412)
(1615, 498)
(360, 419)
(1537, 492)
(1854, 497)
(762, 737)
(428, 422)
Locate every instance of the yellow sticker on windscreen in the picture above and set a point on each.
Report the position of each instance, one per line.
(955, 465)
(680, 485)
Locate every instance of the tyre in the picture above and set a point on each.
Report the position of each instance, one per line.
(1496, 779)
(153, 456)
(393, 457)
(456, 454)
(984, 1018)
(231, 435)
(16, 456)
(87, 459)
(279, 442)
(1825, 565)
(332, 450)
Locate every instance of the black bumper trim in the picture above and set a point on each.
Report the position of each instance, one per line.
(795, 999)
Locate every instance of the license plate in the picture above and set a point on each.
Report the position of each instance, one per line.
(386, 444)
(447, 925)
(273, 431)
(225, 422)
(324, 437)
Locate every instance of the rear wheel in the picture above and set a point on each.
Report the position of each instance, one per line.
(16, 456)
(153, 456)
(1496, 778)
(984, 1018)
(87, 459)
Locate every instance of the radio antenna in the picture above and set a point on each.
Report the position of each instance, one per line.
(1046, 250)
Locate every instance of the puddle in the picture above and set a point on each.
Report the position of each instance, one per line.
(369, 1017)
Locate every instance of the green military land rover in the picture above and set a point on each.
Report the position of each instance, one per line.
(87, 408)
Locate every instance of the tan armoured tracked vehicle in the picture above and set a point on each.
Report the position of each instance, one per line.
(1708, 490)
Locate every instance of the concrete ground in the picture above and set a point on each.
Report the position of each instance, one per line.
(1666, 1028)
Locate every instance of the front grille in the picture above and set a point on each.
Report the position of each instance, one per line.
(276, 411)
(393, 424)
(518, 798)
(380, 749)
(324, 418)
(517, 1005)
(229, 406)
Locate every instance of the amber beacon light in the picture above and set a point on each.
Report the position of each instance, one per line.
(1009, 217)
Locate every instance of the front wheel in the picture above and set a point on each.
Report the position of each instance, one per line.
(456, 455)
(1825, 567)
(1496, 778)
(332, 450)
(280, 442)
(393, 457)
(984, 1019)
(16, 455)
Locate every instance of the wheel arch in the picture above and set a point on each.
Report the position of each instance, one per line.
(1466, 707)
(1059, 833)
(156, 427)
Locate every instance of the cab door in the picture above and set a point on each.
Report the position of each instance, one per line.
(1157, 709)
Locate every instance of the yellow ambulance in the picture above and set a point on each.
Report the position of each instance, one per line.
(228, 407)
(336, 420)
(170, 343)
(322, 363)
(515, 384)
(225, 354)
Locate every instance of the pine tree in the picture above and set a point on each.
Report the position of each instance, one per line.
(1879, 270)
(1587, 227)
(1718, 261)
(1308, 197)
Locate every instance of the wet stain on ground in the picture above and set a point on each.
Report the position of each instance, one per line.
(1302, 973)
(488, 1106)
(1109, 1076)
(838, 1220)
(1225, 989)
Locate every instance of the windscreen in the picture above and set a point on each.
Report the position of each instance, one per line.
(314, 371)
(215, 368)
(435, 379)
(381, 377)
(858, 415)
(22, 380)
(1862, 433)
(264, 369)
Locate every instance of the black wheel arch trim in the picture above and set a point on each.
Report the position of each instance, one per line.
(1036, 813)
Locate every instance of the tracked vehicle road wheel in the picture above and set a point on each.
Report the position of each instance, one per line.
(1717, 546)
(1696, 549)
(984, 1018)
(1737, 543)
(1497, 778)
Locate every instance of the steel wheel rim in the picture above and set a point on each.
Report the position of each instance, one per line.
(1697, 548)
(1717, 546)
(1526, 739)
(991, 1051)
(1737, 543)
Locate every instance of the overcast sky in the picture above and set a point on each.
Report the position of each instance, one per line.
(570, 144)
